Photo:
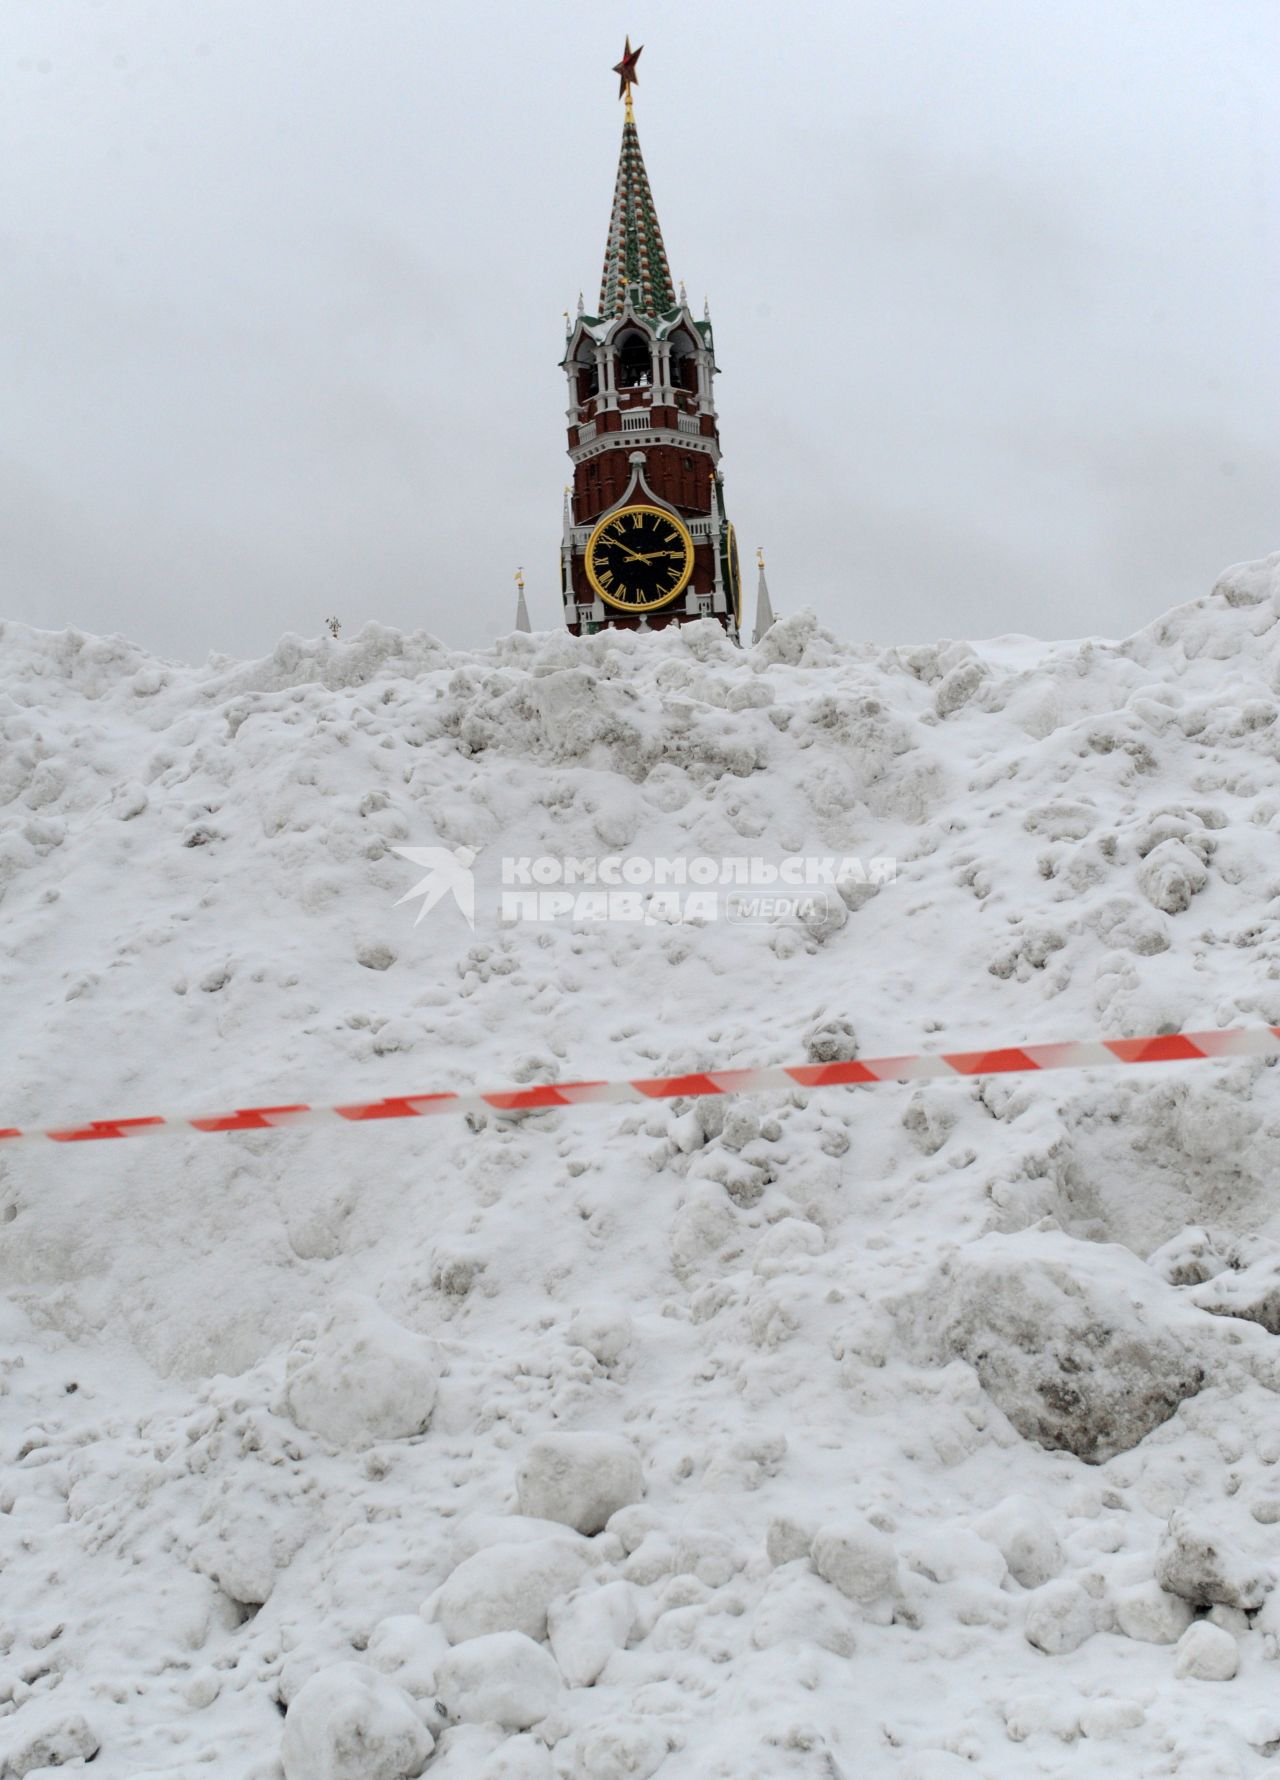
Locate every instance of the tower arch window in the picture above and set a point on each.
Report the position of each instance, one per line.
(587, 381)
(684, 363)
(635, 362)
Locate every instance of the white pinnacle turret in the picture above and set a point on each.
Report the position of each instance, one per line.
(764, 606)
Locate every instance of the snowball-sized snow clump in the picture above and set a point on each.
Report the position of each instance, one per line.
(585, 1630)
(1207, 1653)
(350, 1723)
(1189, 1258)
(948, 1553)
(1170, 876)
(1060, 1616)
(858, 1559)
(605, 1332)
(364, 1378)
(1070, 1339)
(504, 1679)
(1203, 1563)
(579, 1479)
(409, 1651)
(1019, 1529)
(787, 1539)
(54, 1739)
(1250, 583)
(626, 1749)
(1151, 1614)
(1251, 1292)
(1110, 1718)
(508, 1588)
(797, 1608)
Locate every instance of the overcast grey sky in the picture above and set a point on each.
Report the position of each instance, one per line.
(994, 283)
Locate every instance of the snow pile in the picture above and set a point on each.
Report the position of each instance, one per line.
(903, 1432)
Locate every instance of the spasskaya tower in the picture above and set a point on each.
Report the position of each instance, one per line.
(646, 541)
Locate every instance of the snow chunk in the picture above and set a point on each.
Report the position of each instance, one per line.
(249, 1534)
(784, 1244)
(959, 687)
(585, 1630)
(604, 1330)
(858, 1559)
(831, 1041)
(1189, 1258)
(1200, 1561)
(504, 1679)
(1207, 1653)
(627, 1749)
(1170, 876)
(350, 1723)
(1250, 583)
(1252, 1292)
(579, 1479)
(1070, 1339)
(1110, 1718)
(796, 1608)
(54, 1739)
(787, 1540)
(950, 1553)
(408, 1650)
(518, 1758)
(1150, 1613)
(1020, 1531)
(507, 1588)
(928, 1120)
(633, 1525)
(364, 1378)
(1060, 1617)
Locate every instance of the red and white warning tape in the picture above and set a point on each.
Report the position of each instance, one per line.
(1173, 1047)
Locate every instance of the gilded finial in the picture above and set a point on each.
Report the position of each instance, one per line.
(759, 556)
(520, 578)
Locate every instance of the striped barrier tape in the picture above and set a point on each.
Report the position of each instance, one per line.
(1172, 1047)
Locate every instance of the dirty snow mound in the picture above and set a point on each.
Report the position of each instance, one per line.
(909, 1432)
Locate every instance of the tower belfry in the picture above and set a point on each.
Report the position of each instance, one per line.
(646, 542)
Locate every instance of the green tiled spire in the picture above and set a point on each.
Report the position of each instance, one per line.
(635, 261)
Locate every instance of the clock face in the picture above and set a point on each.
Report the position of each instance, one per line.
(735, 573)
(639, 559)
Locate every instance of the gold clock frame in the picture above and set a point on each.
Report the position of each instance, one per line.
(609, 519)
(735, 571)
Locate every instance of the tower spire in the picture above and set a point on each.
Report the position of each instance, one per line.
(764, 605)
(522, 610)
(635, 260)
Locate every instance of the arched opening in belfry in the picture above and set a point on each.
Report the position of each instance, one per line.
(684, 363)
(588, 372)
(635, 363)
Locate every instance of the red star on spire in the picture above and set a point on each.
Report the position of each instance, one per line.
(626, 69)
